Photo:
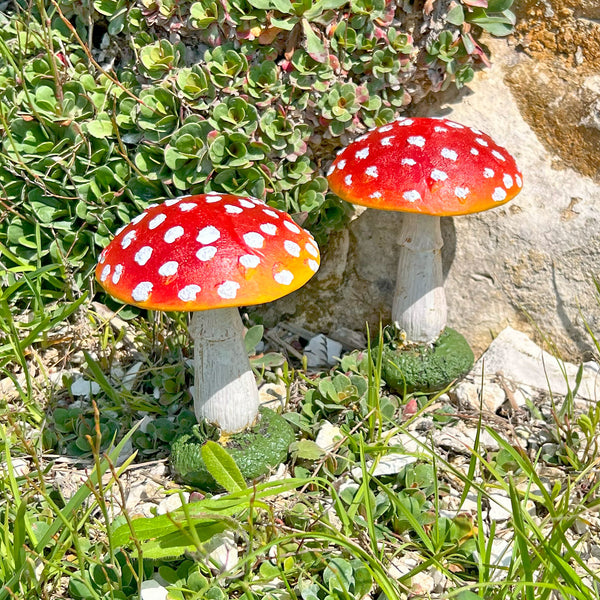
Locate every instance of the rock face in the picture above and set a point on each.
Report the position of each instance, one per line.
(529, 264)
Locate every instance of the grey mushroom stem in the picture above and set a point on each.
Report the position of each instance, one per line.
(225, 391)
(419, 305)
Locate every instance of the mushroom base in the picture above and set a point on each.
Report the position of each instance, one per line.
(424, 368)
(255, 451)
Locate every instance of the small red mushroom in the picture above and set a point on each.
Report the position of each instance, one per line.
(428, 168)
(209, 254)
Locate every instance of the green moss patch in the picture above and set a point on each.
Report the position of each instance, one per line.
(255, 451)
(427, 368)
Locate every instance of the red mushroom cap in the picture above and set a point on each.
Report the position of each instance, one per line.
(424, 165)
(207, 251)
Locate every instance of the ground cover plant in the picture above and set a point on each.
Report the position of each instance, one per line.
(338, 524)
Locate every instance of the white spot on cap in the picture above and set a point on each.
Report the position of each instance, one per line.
(142, 256)
(449, 154)
(330, 170)
(348, 180)
(474, 151)
(141, 291)
(498, 195)
(498, 155)
(361, 138)
(341, 164)
(250, 261)
(362, 153)
(455, 125)
(313, 265)
(189, 292)
(408, 161)
(187, 206)
(518, 180)
(507, 180)
(404, 121)
(105, 273)
(246, 203)
(439, 129)
(284, 277)
(488, 173)
(387, 141)
(271, 213)
(233, 210)
(411, 196)
(372, 171)
(117, 274)
(128, 238)
(228, 289)
(169, 268)
(210, 198)
(268, 228)
(375, 195)
(438, 175)
(173, 234)
(416, 140)
(206, 253)
(386, 128)
(254, 240)
(156, 221)
(208, 235)
(102, 256)
(312, 249)
(172, 201)
(481, 141)
(291, 248)
(291, 226)
(461, 192)
(120, 229)
(138, 218)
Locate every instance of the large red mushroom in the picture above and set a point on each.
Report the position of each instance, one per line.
(427, 168)
(209, 254)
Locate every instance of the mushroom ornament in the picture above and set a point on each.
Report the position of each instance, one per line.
(209, 254)
(427, 168)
